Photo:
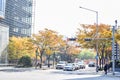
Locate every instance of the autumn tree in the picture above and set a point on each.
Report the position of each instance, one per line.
(103, 38)
(19, 47)
(48, 41)
(72, 51)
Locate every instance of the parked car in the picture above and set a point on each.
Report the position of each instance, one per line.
(91, 64)
(81, 65)
(61, 65)
(69, 67)
(76, 66)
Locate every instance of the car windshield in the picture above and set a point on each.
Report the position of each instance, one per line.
(81, 63)
(91, 63)
(61, 62)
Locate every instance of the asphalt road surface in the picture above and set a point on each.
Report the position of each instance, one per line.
(53, 74)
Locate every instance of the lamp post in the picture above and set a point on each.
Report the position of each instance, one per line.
(96, 35)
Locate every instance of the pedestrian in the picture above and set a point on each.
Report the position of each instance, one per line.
(106, 68)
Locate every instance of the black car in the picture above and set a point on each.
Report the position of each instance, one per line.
(91, 64)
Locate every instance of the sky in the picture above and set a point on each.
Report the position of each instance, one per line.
(65, 16)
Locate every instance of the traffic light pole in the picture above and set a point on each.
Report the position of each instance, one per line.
(113, 49)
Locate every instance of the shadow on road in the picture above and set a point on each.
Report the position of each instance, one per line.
(16, 69)
(88, 78)
(74, 72)
(102, 77)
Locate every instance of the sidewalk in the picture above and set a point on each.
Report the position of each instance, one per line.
(45, 67)
(117, 74)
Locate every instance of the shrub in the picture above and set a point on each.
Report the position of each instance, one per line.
(25, 61)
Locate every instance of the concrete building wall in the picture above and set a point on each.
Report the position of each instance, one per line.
(4, 40)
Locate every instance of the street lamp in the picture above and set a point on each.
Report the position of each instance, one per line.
(96, 35)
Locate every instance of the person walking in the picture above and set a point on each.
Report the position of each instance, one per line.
(106, 68)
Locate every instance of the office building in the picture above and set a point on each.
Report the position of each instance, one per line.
(15, 20)
(18, 16)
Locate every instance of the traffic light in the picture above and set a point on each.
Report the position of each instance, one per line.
(72, 39)
(87, 39)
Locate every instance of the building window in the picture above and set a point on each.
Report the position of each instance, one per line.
(23, 31)
(15, 29)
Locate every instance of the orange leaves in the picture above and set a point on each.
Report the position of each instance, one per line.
(90, 31)
(48, 39)
(117, 37)
(72, 50)
(106, 34)
(19, 47)
(49, 51)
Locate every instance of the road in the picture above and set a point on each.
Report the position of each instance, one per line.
(53, 74)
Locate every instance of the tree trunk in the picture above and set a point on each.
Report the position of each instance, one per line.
(48, 61)
(36, 62)
(103, 51)
(100, 62)
(41, 58)
(53, 59)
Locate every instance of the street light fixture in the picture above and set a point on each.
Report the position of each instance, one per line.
(96, 35)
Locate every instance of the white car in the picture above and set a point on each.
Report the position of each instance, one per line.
(69, 67)
(60, 65)
(76, 66)
(81, 65)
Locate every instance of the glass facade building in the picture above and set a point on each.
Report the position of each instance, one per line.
(18, 16)
(2, 8)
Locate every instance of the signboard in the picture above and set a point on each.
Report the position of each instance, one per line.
(2, 8)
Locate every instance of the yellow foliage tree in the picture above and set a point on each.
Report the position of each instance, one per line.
(19, 47)
(103, 38)
(47, 40)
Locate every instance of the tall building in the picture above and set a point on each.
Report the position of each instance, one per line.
(18, 16)
(15, 20)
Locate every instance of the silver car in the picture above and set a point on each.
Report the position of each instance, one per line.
(81, 65)
(69, 67)
(60, 65)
